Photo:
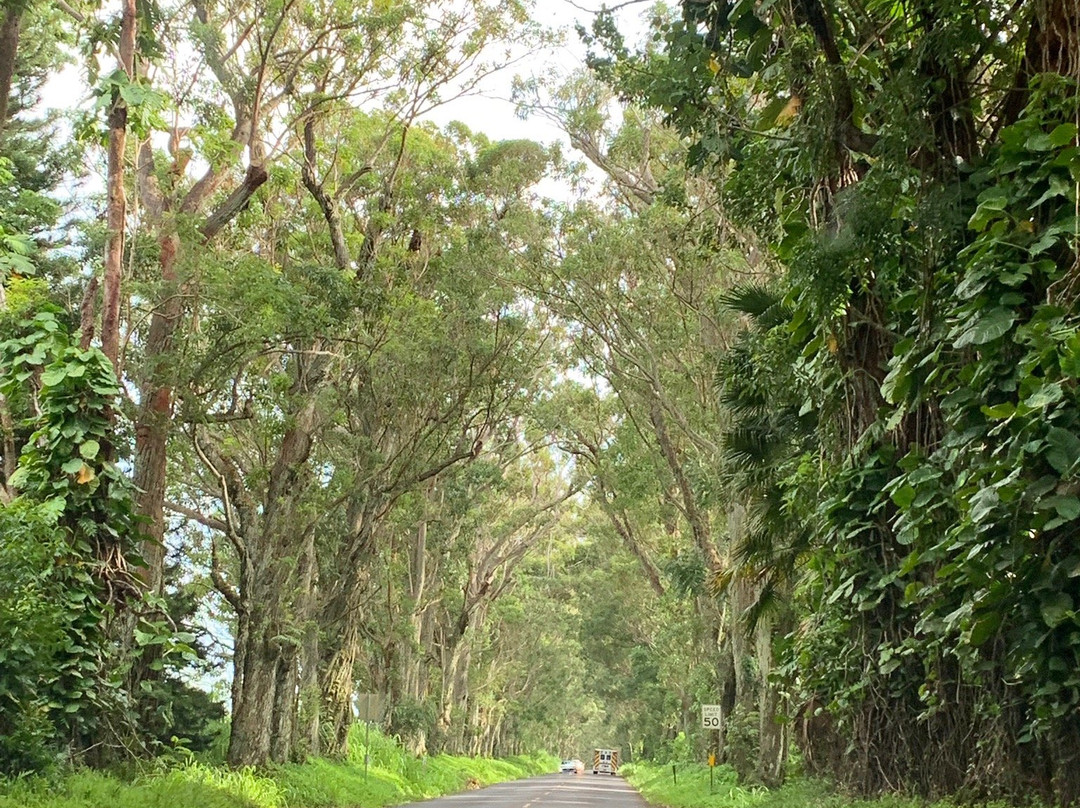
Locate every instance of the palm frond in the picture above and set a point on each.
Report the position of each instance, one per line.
(756, 300)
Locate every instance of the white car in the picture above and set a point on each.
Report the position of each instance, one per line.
(574, 766)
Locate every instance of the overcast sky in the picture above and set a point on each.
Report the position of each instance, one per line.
(492, 112)
(489, 110)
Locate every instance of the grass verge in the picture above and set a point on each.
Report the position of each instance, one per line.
(690, 789)
(393, 777)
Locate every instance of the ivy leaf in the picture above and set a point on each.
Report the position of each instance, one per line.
(903, 497)
(998, 411)
(985, 628)
(1068, 508)
(988, 326)
(1046, 394)
(54, 375)
(1064, 449)
(897, 384)
(989, 208)
(1059, 186)
(1056, 607)
(90, 449)
(1063, 134)
(72, 466)
(983, 503)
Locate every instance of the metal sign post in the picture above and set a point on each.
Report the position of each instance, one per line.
(369, 707)
(712, 719)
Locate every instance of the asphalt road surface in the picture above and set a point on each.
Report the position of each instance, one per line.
(547, 791)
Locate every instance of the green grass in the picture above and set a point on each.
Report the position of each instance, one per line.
(690, 789)
(393, 777)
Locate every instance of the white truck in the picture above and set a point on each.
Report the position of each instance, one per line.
(605, 761)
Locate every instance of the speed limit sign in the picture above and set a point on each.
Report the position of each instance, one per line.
(711, 716)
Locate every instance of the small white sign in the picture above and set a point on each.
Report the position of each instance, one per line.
(712, 716)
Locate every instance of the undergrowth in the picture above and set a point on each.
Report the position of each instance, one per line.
(393, 776)
(689, 787)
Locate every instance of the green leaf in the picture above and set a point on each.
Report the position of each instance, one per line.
(988, 325)
(985, 628)
(1063, 134)
(54, 375)
(1064, 449)
(998, 411)
(989, 209)
(1040, 141)
(983, 503)
(1056, 607)
(897, 384)
(1047, 394)
(903, 497)
(72, 466)
(1068, 508)
(1059, 187)
(90, 449)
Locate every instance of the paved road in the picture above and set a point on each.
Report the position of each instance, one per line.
(548, 791)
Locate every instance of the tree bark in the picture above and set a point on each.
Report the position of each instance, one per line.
(342, 619)
(154, 419)
(1052, 46)
(9, 49)
(250, 730)
(265, 700)
(327, 203)
(771, 747)
(116, 206)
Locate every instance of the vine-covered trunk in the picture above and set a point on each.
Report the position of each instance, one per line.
(772, 738)
(116, 196)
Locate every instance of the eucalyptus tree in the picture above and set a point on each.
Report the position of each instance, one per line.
(257, 75)
(521, 512)
(657, 337)
(352, 393)
(252, 87)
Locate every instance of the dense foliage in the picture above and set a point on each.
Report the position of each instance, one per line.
(776, 409)
(906, 396)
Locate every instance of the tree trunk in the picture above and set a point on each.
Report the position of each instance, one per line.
(342, 620)
(338, 686)
(307, 728)
(154, 419)
(265, 702)
(699, 522)
(9, 50)
(116, 205)
(771, 748)
(286, 703)
(251, 728)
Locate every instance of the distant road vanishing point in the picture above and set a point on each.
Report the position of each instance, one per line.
(547, 791)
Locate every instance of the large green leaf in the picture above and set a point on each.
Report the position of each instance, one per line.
(987, 326)
(1064, 449)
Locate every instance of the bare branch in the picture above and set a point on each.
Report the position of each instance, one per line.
(197, 516)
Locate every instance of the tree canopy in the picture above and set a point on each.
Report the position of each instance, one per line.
(311, 397)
